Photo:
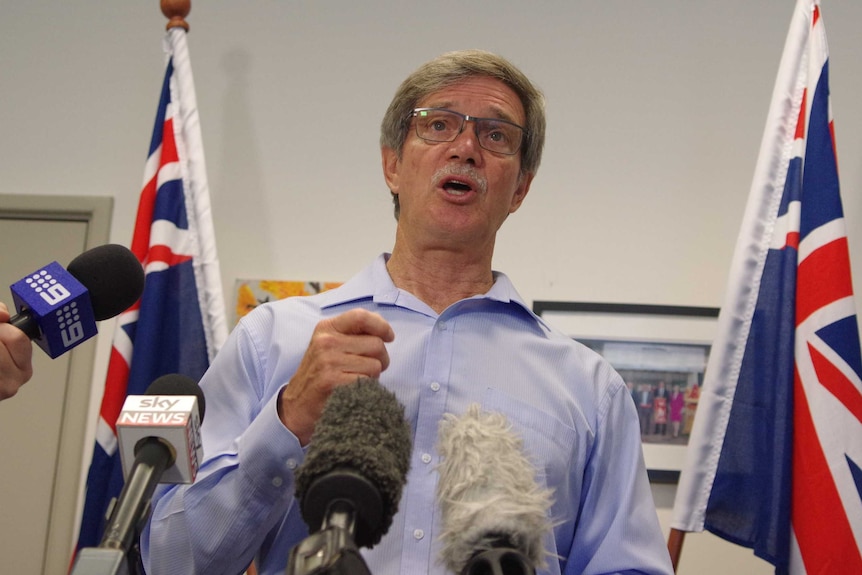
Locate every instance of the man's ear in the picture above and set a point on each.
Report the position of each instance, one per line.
(521, 192)
(391, 165)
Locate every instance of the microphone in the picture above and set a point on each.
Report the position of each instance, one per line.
(58, 308)
(494, 514)
(160, 442)
(351, 480)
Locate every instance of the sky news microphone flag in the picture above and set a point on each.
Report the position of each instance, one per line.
(775, 454)
(179, 323)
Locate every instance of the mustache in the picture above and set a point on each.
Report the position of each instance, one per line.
(461, 170)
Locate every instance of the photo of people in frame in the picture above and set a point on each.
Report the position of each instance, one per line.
(664, 380)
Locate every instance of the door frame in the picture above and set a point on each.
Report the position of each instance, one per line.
(96, 212)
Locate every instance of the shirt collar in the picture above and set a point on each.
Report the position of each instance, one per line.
(374, 283)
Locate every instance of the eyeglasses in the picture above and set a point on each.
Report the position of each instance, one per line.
(493, 134)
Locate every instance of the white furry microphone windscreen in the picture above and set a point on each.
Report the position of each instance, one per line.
(487, 491)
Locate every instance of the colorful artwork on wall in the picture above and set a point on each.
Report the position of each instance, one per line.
(251, 293)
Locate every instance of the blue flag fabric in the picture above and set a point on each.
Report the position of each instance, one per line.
(775, 453)
(179, 323)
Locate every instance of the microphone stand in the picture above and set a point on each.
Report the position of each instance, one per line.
(330, 551)
(116, 554)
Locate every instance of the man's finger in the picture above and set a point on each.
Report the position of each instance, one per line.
(363, 322)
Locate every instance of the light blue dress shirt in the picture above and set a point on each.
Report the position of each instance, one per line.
(578, 424)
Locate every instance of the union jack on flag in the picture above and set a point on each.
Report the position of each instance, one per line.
(775, 454)
(179, 323)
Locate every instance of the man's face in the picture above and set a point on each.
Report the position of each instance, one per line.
(457, 194)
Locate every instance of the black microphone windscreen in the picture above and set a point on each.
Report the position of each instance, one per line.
(362, 429)
(113, 277)
(176, 384)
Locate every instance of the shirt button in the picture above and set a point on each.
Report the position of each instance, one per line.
(426, 458)
(418, 534)
(277, 481)
(291, 463)
(435, 386)
(442, 326)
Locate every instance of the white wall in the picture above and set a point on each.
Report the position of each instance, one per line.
(655, 116)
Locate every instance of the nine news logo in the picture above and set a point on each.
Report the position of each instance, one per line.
(59, 304)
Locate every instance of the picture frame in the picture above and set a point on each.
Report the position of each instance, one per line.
(659, 350)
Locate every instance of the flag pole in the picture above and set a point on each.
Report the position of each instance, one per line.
(176, 11)
(674, 546)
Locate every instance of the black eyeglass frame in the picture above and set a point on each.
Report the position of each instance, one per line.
(467, 118)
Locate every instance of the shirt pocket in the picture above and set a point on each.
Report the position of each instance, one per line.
(549, 444)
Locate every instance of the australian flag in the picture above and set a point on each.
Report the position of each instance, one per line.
(775, 454)
(179, 322)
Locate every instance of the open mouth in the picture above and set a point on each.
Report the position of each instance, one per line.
(456, 187)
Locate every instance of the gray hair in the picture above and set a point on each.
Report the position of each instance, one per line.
(449, 69)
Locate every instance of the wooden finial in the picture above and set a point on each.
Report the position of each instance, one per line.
(176, 11)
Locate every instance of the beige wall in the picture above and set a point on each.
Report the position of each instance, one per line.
(655, 111)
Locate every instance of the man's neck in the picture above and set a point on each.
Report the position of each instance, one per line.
(440, 277)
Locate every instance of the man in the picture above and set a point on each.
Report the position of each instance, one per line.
(645, 398)
(461, 142)
(16, 356)
(660, 408)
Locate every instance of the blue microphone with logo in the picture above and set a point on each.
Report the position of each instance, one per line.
(58, 308)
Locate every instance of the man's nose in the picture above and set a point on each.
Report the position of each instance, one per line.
(465, 146)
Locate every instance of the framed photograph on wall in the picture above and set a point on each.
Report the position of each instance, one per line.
(661, 353)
